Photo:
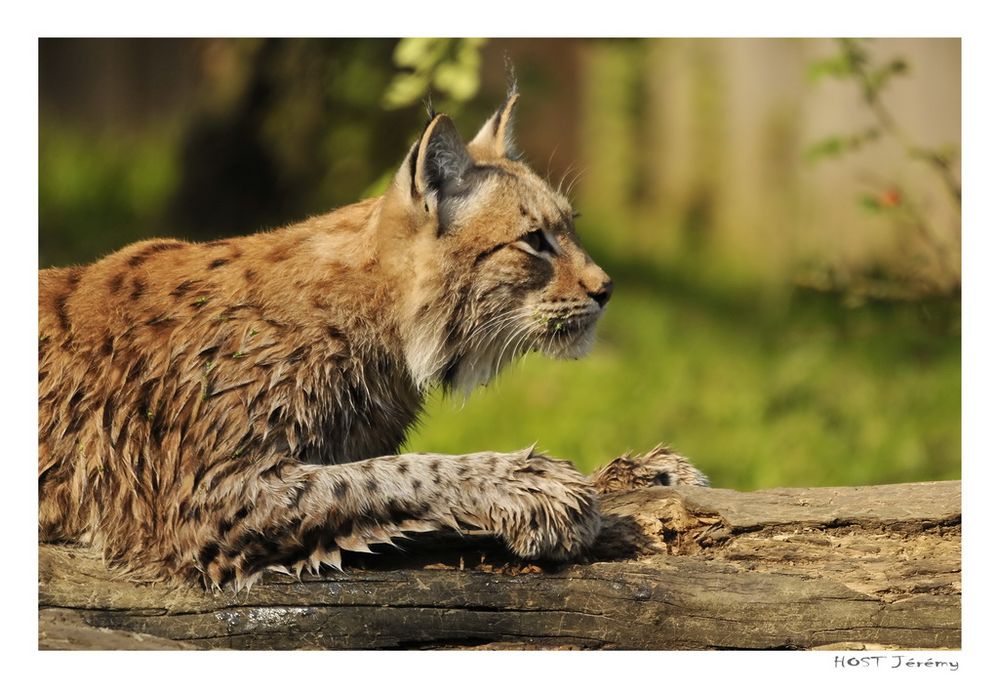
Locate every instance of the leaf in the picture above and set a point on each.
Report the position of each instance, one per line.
(419, 53)
(898, 66)
(450, 64)
(830, 147)
(834, 146)
(837, 67)
(881, 76)
(459, 81)
(468, 52)
(869, 203)
(405, 89)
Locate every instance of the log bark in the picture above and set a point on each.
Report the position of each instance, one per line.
(675, 568)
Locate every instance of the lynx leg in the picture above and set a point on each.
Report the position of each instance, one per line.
(301, 515)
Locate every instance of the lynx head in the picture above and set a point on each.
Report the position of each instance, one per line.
(490, 256)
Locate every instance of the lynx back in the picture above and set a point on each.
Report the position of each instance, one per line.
(209, 411)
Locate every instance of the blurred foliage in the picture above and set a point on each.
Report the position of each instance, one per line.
(932, 261)
(284, 129)
(704, 345)
(451, 65)
(833, 146)
(104, 188)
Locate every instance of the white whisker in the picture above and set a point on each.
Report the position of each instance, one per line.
(568, 191)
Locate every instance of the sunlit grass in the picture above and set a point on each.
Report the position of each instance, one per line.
(99, 192)
(804, 392)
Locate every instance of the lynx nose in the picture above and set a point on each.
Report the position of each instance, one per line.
(603, 294)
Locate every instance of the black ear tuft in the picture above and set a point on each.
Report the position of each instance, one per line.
(511, 76)
(495, 138)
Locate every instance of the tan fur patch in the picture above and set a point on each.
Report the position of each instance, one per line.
(203, 408)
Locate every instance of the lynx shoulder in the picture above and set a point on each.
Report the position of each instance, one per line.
(208, 411)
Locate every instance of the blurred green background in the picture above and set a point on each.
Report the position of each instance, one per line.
(781, 218)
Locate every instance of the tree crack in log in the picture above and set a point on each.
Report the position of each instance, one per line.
(138, 612)
(876, 566)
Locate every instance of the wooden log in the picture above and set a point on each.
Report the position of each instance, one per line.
(675, 568)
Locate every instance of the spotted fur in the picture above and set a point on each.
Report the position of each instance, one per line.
(660, 466)
(207, 411)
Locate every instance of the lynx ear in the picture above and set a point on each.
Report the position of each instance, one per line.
(436, 163)
(496, 136)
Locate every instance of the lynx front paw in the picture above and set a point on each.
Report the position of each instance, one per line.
(661, 466)
(548, 510)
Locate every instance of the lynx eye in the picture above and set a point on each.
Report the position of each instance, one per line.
(537, 242)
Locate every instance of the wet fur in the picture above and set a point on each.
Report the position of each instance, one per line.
(208, 411)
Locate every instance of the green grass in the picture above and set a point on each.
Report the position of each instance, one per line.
(97, 193)
(757, 390)
(758, 386)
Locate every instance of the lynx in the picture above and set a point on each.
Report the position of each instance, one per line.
(209, 411)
